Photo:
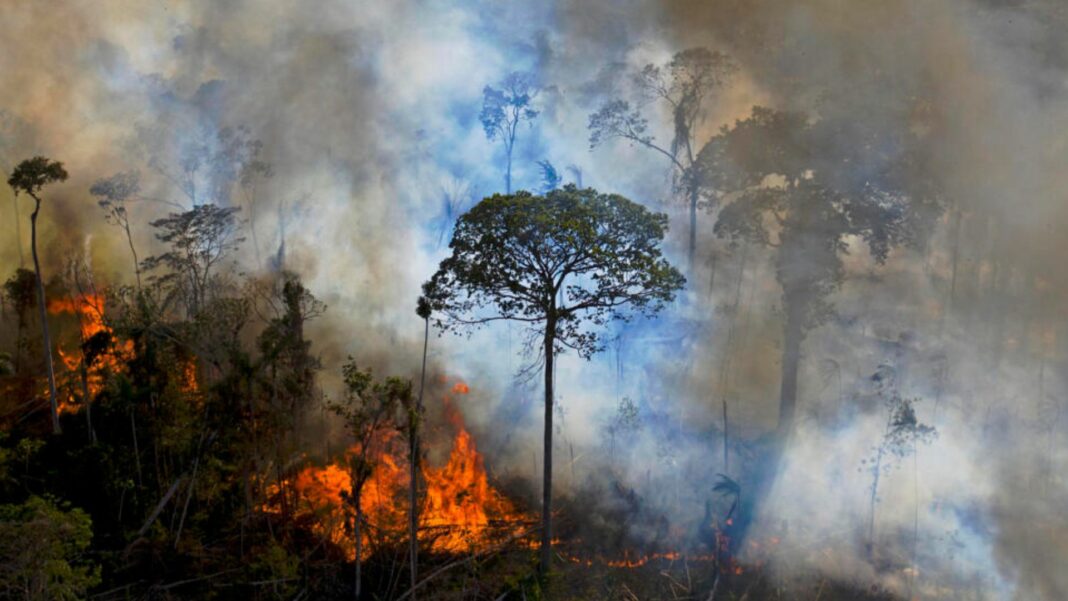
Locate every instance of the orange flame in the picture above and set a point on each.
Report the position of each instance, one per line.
(461, 510)
(90, 311)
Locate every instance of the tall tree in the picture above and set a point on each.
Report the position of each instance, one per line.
(112, 195)
(29, 177)
(565, 264)
(792, 191)
(504, 109)
(683, 85)
(199, 240)
(415, 414)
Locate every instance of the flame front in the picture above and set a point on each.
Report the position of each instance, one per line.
(461, 511)
(90, 311)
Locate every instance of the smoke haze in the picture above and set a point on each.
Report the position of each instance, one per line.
(368, 115)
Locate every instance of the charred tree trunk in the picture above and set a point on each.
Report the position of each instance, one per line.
(547, 463)
(44, 320)
(791, 361)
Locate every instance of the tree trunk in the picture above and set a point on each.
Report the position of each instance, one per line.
(547, 463)
(791, 360)
(691, 249)
(137, 450)
(44, 321)
(359, 547)
(133, 251)
(413, 489)
(508, 172)
(18, 230)
(88, 402)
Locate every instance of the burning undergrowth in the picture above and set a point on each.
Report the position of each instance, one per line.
(460, 512)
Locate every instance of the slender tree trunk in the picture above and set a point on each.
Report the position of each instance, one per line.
(791, 360)
(547, 463)
(359, 548)
(413, 489)
(691, 249)
(133, 251)
(18, 230)
(508, 172)
(44, 321)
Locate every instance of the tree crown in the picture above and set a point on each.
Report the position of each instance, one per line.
(572, 258)
(792, 190)
(33, 174)
(505, 107)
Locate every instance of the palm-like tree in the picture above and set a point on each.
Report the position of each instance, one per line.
(30, 176)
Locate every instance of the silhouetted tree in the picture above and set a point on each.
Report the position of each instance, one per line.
(683, 85)
(207, 162)
(790, 191)
(550, 177)
(199, 239)
(565, 264)
(29, 177)
(113, 194)
(504, 109)
(902, 435)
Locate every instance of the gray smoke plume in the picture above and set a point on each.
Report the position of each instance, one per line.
(368, 115)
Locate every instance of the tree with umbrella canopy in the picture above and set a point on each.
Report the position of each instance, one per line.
(565, 264)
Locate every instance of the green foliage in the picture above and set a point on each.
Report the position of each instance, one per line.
(517, 253)
(33, 174)
(15, 459)
(368, 408)
(20, 290)
(273, 564)
(42, 551)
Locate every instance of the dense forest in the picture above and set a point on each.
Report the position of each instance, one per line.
(705, 301)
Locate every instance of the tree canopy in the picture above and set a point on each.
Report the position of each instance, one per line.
(581, 256)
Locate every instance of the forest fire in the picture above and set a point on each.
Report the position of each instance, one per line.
(461, 511)
(104, 354)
